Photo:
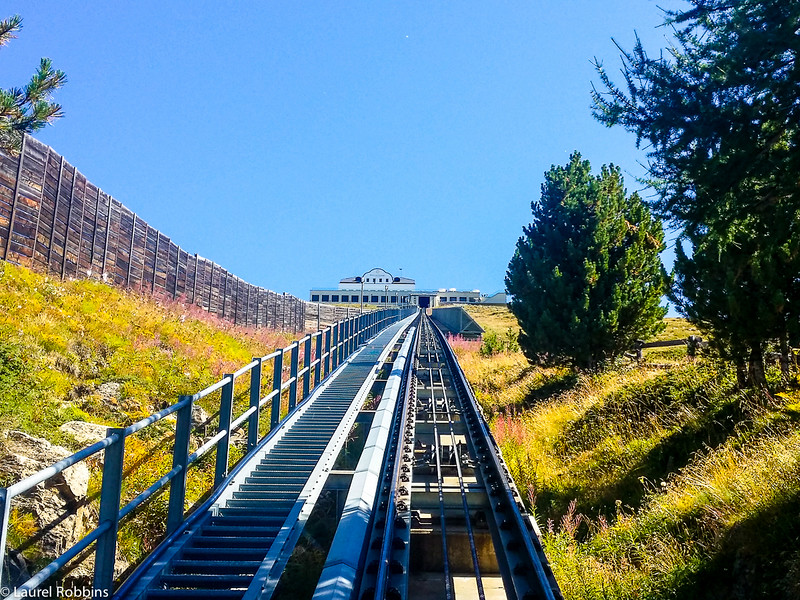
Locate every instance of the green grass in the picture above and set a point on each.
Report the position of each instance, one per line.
(60, 341)
(653, 480)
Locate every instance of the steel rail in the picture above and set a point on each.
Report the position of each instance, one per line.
(448, 586)
(464, 503)
(406, 395)
(546, 585)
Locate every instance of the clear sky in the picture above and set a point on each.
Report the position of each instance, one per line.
(296, 143)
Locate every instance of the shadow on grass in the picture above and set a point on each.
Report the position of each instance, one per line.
(553, 385)
(671, 454)
(758, 557)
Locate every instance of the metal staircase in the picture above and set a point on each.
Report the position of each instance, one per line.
(230, 550)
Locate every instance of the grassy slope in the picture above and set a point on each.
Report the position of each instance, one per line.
(59, 341)
(657, 481)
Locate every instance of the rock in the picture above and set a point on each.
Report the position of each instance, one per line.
(59, 507)
(26, 455)
(109, 392)
(16, 569)
(239, 438)
(199, 416)
(83, 432)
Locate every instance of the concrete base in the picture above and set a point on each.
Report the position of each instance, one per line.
(426, 552)
(430, 586)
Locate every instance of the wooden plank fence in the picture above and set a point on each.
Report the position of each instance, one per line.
(53, 220)
(321, 315)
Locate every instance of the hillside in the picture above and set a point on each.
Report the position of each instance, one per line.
(659, 480)
(79, 356)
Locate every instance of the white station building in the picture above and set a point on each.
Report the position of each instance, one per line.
(378, 286)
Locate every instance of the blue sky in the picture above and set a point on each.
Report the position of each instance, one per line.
(296, 143)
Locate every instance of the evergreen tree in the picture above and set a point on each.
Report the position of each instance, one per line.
(721, 114)
(27, 109)
(586, 277)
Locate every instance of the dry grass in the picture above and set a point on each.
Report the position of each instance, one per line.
(653, 483)
(60, 341)
(493, 318)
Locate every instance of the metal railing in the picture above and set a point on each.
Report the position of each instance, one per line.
(329, 348)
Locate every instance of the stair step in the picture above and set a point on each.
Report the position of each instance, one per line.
(259, 506)
(225, 567)
(230, 541)
(192, 594)
(273, 495)
(207, 582)
(233, 527)
(254, 512)
(210, 553)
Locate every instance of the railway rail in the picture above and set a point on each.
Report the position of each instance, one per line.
(454, 525)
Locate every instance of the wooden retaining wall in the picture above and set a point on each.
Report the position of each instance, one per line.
(319, 316)
(52, 219)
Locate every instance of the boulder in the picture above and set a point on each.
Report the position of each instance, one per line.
(85, 433)
(59, 506)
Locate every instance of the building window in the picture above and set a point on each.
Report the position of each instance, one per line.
(335, 298)
(375, 299)
(383, 299)
(315, 297)
(366, 299)
(393, 300)
(462, 299)
(452, 298)
(325, 298)
(472, 299)
(442, 298)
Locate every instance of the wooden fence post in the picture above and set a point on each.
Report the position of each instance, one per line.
(15, 201)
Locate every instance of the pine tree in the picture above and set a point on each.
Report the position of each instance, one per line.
(28, 109)
(721, 115)
(586, 277)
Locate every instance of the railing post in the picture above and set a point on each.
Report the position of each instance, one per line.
(223, 446)
(293, 374)
(307, 368)
(318, 368)
(345, 339)
(110, 493)
(327, 351)
(334, 344)
(342, 356)
(255, 399)
(348, 349)
(180, 458)
(5, 512)
(277, 380)
(349, 334)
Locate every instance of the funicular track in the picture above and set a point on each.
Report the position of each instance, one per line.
(452, 524)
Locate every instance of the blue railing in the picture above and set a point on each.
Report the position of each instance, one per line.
(329, 347)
